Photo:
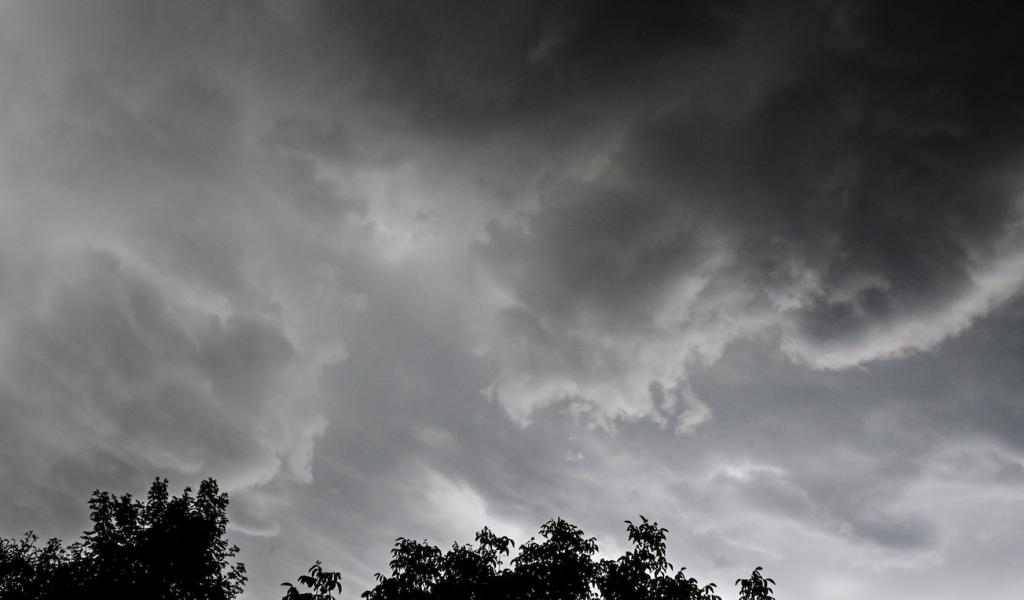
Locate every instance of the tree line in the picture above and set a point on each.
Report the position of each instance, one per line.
(175, 548)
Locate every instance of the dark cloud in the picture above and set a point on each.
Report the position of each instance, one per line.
(853, 193)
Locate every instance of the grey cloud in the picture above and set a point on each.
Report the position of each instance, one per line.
(132, 384)
(303, 135)
(839, 508)
(605, 253)
(151, 244)
(896, 533)
(842, 201)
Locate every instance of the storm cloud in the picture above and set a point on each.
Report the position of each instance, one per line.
(394, 269)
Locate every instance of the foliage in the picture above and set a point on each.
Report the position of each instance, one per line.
(756, 587)
(322, 584)
(174, 548)
(558, 566)
(28, 571)
(561, 566)
(644, 572)
(168, 548)
(419, 570)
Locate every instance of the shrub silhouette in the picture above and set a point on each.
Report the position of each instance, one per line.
(174, 548)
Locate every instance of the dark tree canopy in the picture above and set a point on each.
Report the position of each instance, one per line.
(174, 548)
(558, 566)
(168, 548)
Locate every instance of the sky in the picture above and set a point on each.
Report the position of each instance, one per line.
(383, 269)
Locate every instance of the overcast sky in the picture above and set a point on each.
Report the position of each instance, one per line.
(753, 270)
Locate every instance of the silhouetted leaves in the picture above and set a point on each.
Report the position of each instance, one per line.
(321, 585)
(756, 587)
(174, 548)
(644, 572)
(559, 565)
(169, 548)
(53, 571)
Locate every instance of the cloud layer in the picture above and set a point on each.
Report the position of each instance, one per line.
(404, 270)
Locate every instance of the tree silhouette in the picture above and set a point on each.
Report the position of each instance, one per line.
(28, 571)
(558, 566)
(168, 548)
(174, 548)
(644, 572)
(472, 573)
